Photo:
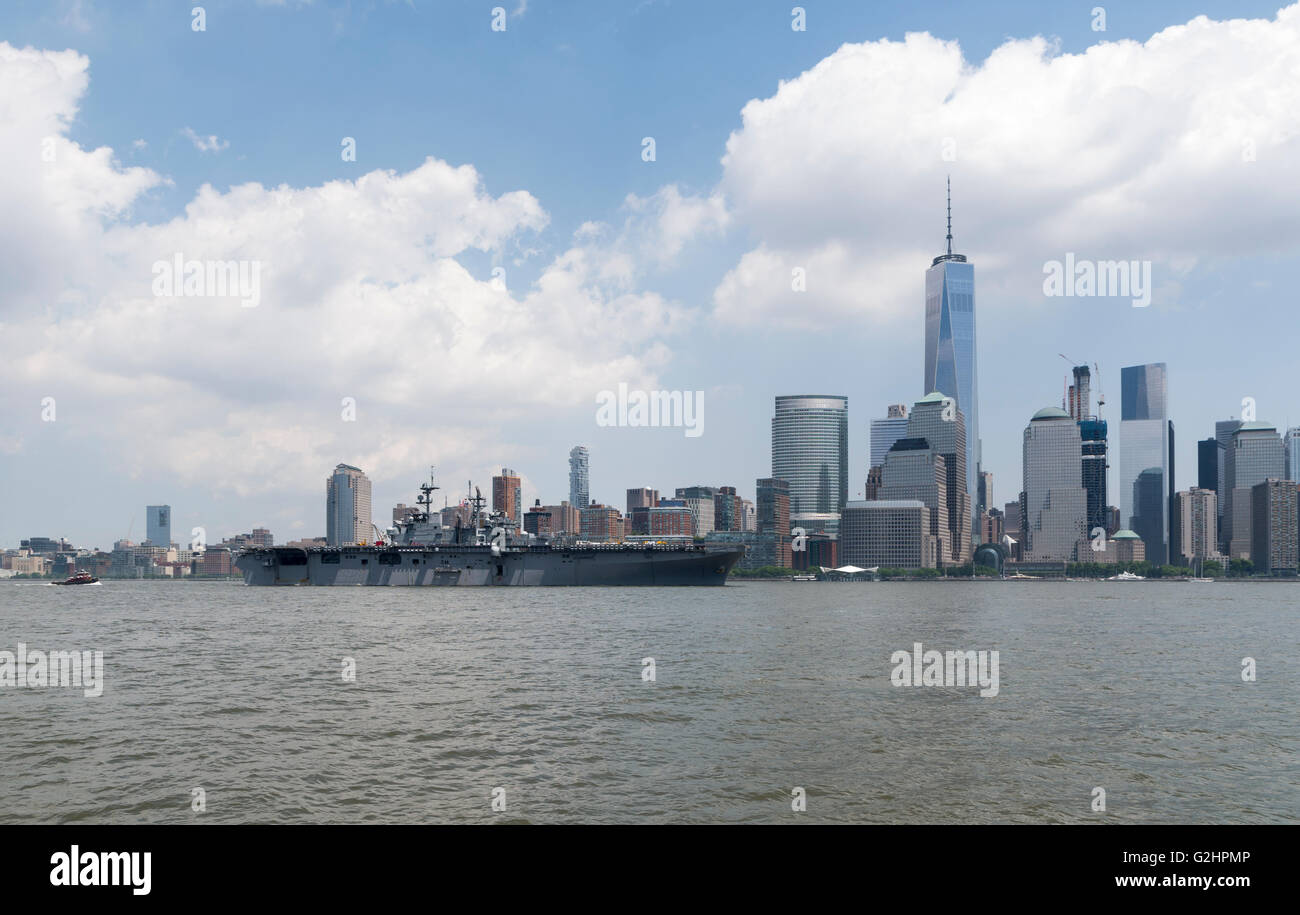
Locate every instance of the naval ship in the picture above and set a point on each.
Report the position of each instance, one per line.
(489, 550)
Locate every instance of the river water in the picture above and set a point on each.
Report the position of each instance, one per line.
(537, 698)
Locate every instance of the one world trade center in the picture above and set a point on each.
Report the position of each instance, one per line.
(950, 350)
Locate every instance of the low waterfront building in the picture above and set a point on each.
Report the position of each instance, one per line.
(216, 561)
(727, 509)
(601, 524)
(700, 500)
(819, 551)
(670, 521)
(31, 564)
(888, 533)
(563, 518)
(537, 520)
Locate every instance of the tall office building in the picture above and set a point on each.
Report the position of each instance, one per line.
(950, 364)
(1055, 502)
(772, 518)
(158, 525)
(507, 496)
(1223, 432)
(1291, 453)
(943, 426)
(579, 484)
(884, 432)
(915, 471)
(874, 479)
(1254, 455)
(1196, 525)
(1092, 433)
(347, 506)
(1146, 475)
(1207, 464)
(810, 451)
(1273, 546)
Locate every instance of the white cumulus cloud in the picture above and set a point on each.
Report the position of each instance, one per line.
(1176, 149)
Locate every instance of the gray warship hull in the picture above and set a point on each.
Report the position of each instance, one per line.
(479, 565)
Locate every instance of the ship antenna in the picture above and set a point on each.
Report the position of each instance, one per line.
(426, 495)
(950, 215)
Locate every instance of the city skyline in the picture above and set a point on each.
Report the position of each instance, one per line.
(174, 403)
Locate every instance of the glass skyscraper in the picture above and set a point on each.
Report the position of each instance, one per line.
(1291, 445)
(947, 436)
(1255, 454)
(1223, 432)
(347, 506)
(1207, 466)
(158, 525)
(579, 485)
(884, 432)
(1093, 434)
(1146, 470)
(810, 451)
(914, 470)
(950, 347)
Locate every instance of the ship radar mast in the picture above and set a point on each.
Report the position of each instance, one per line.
(477, 502)
(426, 495)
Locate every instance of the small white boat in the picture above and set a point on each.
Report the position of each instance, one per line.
(1127, 576)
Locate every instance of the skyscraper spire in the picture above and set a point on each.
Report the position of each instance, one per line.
(950, 214)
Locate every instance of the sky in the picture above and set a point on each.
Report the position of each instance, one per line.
(501, 248)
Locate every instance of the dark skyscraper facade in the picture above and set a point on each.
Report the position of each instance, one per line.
(1223, 432)
(950, 365)
(1093, 434)
(1207, 464)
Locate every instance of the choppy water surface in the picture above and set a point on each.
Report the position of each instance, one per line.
(758, 688)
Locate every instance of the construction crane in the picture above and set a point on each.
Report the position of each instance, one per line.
(1065, 385)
